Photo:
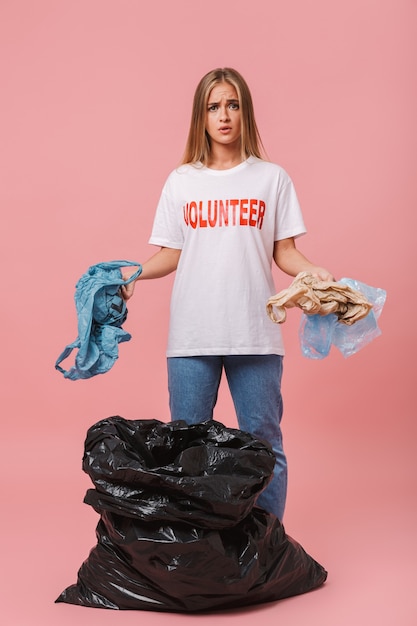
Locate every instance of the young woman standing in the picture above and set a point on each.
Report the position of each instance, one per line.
(224, 215)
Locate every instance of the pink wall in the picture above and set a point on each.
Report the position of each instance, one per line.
(95, 105)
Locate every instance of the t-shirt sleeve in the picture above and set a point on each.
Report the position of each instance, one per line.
(166, 230)
(289, 220)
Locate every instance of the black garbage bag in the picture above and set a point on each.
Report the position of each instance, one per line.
(179, 530)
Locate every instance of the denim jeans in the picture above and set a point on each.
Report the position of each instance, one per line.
(255, 385)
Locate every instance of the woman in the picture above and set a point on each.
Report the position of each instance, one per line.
(222, 218)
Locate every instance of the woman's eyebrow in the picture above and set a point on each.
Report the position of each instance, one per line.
(228, 101)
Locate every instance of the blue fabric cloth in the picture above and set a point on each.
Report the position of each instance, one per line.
(255, 385)
(101, 311)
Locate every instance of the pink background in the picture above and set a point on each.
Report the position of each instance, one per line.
(95, 105)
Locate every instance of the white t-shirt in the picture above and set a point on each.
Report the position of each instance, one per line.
(225, 222)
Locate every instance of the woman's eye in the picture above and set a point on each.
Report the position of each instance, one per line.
(213, 107)
(234, 106)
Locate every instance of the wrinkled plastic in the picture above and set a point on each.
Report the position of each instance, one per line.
(179, 530)
(319, 332)
(101, 311)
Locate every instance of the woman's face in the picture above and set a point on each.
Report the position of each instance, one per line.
(223, 120)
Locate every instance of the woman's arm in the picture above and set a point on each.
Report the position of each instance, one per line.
(292, 261)
(160, 264)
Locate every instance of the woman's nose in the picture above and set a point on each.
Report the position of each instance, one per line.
(224, 113)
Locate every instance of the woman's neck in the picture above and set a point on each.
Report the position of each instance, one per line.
(224, 157)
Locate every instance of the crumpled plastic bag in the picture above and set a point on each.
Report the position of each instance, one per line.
(101, 311)
(179, 530)
(315, 296)
(318, 333)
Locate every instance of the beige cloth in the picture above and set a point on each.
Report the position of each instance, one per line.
(313, 295)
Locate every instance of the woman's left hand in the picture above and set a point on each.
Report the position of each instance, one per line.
(322, 274)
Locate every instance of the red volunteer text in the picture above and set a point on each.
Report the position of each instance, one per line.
(232, 212)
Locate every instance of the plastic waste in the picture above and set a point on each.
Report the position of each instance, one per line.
(318, 333)
(101, 311)
(179, 530)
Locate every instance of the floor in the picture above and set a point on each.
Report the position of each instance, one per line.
(358, 519)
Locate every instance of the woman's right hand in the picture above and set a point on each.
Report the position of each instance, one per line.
(128, 290)
(160, 264)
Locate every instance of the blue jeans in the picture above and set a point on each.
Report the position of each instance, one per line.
(255, 385)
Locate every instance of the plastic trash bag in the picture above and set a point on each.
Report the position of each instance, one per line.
(178, 528)
(101, 311)
(318, 332)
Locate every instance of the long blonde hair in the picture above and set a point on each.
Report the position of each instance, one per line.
(198, 146)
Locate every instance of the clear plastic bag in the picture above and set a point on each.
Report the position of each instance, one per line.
(318, 332)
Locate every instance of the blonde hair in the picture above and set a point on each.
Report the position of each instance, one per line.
(198, 146)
